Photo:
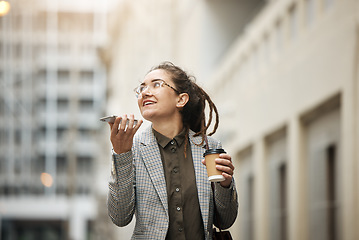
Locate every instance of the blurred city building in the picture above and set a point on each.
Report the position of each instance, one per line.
(284, 75)
(52, 93)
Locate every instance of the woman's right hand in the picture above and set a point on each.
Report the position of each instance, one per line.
(122, 136)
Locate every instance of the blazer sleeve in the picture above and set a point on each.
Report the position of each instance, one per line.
(121, 195)
(226, 199)
(226, 205)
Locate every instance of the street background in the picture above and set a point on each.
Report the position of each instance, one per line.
(284, 75)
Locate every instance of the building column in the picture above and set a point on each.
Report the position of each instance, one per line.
(350, 154)
(297, 182)
(356, 133)
(77, 223)
(261, 191)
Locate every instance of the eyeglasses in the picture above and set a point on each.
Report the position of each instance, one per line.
(154, 87)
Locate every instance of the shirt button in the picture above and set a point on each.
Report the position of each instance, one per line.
(180, 229)
(172, 142)
(178, 209)
(175, 170)
(173, 149)
(177, 189)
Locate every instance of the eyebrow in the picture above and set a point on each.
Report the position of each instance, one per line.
(153, 80)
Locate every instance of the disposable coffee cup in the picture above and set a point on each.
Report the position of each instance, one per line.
(210, 155)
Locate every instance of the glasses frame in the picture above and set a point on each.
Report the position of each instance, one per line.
(163, 82)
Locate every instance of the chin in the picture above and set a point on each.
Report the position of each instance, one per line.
(148, 115)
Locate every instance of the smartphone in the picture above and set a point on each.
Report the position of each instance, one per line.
(111, 119)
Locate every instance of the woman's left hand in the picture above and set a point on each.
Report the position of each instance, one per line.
(224, 164)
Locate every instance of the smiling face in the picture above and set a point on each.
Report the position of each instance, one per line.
(161, 104)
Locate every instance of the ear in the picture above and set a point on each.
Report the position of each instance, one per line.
(182, 100)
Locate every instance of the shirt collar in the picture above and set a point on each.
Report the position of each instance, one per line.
(163, 141)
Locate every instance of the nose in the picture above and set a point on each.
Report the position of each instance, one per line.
(145, 92)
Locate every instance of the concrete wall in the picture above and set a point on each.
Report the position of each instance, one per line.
(284, 82)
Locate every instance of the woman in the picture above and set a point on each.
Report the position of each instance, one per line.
(160, 174)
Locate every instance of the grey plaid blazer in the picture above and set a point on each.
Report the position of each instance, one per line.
(138, 187)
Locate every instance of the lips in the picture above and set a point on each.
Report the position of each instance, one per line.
(148, 102)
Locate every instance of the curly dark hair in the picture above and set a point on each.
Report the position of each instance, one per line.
(193, 113)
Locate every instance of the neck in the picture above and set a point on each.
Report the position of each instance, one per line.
(169, 129)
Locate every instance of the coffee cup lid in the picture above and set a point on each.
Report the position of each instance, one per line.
(213, 151)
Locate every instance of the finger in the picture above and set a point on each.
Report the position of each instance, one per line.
(114, 128)
(123, 123)
(224, 162)
(226, 156)
(227, 177)
(225, 169)
(226, 183)
(131, 122)
(111, 125)
(204, 162)
(138, 125)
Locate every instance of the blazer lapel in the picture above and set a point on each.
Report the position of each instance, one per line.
(203, 185)
(152, 160)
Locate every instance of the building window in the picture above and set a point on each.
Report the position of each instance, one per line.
(331, 192)
(2, 106)
(18, 134)
(3, 165)
(61, 132)
(18, 50)
(283, 201)
(61, 164)
(87, 77)
(85, 133)
(250, 204)
(40, 22)
(84, 164)
(38, 165)
(62, 103)
(63, 76)
(33, 229)
(41, 76)
(276, 148)
(322, 139)
(86, 104)
(84, 167)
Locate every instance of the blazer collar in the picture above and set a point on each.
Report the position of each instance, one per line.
(197, 140)
(148, 138)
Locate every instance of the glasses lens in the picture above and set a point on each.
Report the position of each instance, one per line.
(137, 91)
(153, 88)
(141, 88)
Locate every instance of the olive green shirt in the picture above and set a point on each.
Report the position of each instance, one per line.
(185, 219)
